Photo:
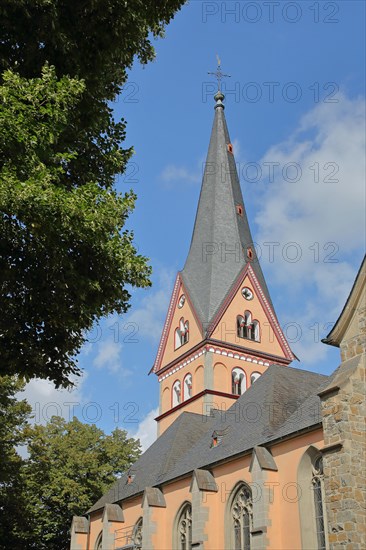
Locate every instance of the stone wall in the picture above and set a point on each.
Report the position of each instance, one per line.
(343, 412)
(355, 341)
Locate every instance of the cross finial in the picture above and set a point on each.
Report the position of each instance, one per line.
(219, 74)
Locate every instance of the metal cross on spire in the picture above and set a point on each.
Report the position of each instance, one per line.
(219, 74)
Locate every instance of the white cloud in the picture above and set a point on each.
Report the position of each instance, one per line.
(47, 401)
(108, 356)
(326, 219)
(147, 429)
(173, 174)
(316, 209)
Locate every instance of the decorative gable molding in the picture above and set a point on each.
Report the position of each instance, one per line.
(177, 290)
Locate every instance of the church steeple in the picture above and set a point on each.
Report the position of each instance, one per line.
(222, 243)
(221, 332)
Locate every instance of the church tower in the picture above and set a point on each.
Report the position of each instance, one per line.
(221, 331)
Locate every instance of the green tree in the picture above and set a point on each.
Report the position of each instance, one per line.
(64, 260)
(14, 415)
(93, 40)
(70, 466)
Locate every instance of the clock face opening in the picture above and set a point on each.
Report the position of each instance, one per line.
(182, 301)
(247, 293)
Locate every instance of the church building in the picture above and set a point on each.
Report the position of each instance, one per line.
(252, 452)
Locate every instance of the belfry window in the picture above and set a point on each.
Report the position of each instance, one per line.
(317, 482)
(185, 528)
(238, 381)
(187, 387)
(246, 328)
(177, 393)
(241, 518)
(181, 333)
(254, 376)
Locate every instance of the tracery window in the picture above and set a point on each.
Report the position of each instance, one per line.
(181, 333)
(137, 534)
(176, 393)
(317, 482)
(98, 544)
(241, 518)
(313, 519)
(185, 528)
(238, 381)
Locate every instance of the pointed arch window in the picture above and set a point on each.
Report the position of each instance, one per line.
(181, 336)
(254, 376)
(176, 393)
(137, 535)
(238, 381)
(317, 483)
(241, 515)
(98, 544)
(247, 328)
(313, 520)
(185, 528)
(187, 387)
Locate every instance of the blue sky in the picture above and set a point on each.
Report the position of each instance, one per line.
(295, 111)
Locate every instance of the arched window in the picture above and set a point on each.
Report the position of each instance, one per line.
(137, 535)
(317, 481)
(187, 387)
(184, 528)
(248, 324)
(181, 336)
(177, 393)
(98, 544)
(238, 381)
(254, 376)
(240, 324)
(241, 513)
(254, 333)
(311, 503)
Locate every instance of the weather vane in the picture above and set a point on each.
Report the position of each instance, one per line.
(219, 74)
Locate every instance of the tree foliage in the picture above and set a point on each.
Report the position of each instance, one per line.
(14, 416)
(70, 465)
(65, 259)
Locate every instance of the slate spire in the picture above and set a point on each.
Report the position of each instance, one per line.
(222, 242)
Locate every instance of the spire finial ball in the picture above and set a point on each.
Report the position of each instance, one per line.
(219, 96)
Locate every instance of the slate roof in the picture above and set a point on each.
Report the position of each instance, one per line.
(281, 402)
(209, 277)
(159, 458)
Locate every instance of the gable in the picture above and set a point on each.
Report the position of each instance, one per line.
(181, 313)
(261, 331)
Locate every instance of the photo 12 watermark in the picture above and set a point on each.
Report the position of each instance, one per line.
(270, 12)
